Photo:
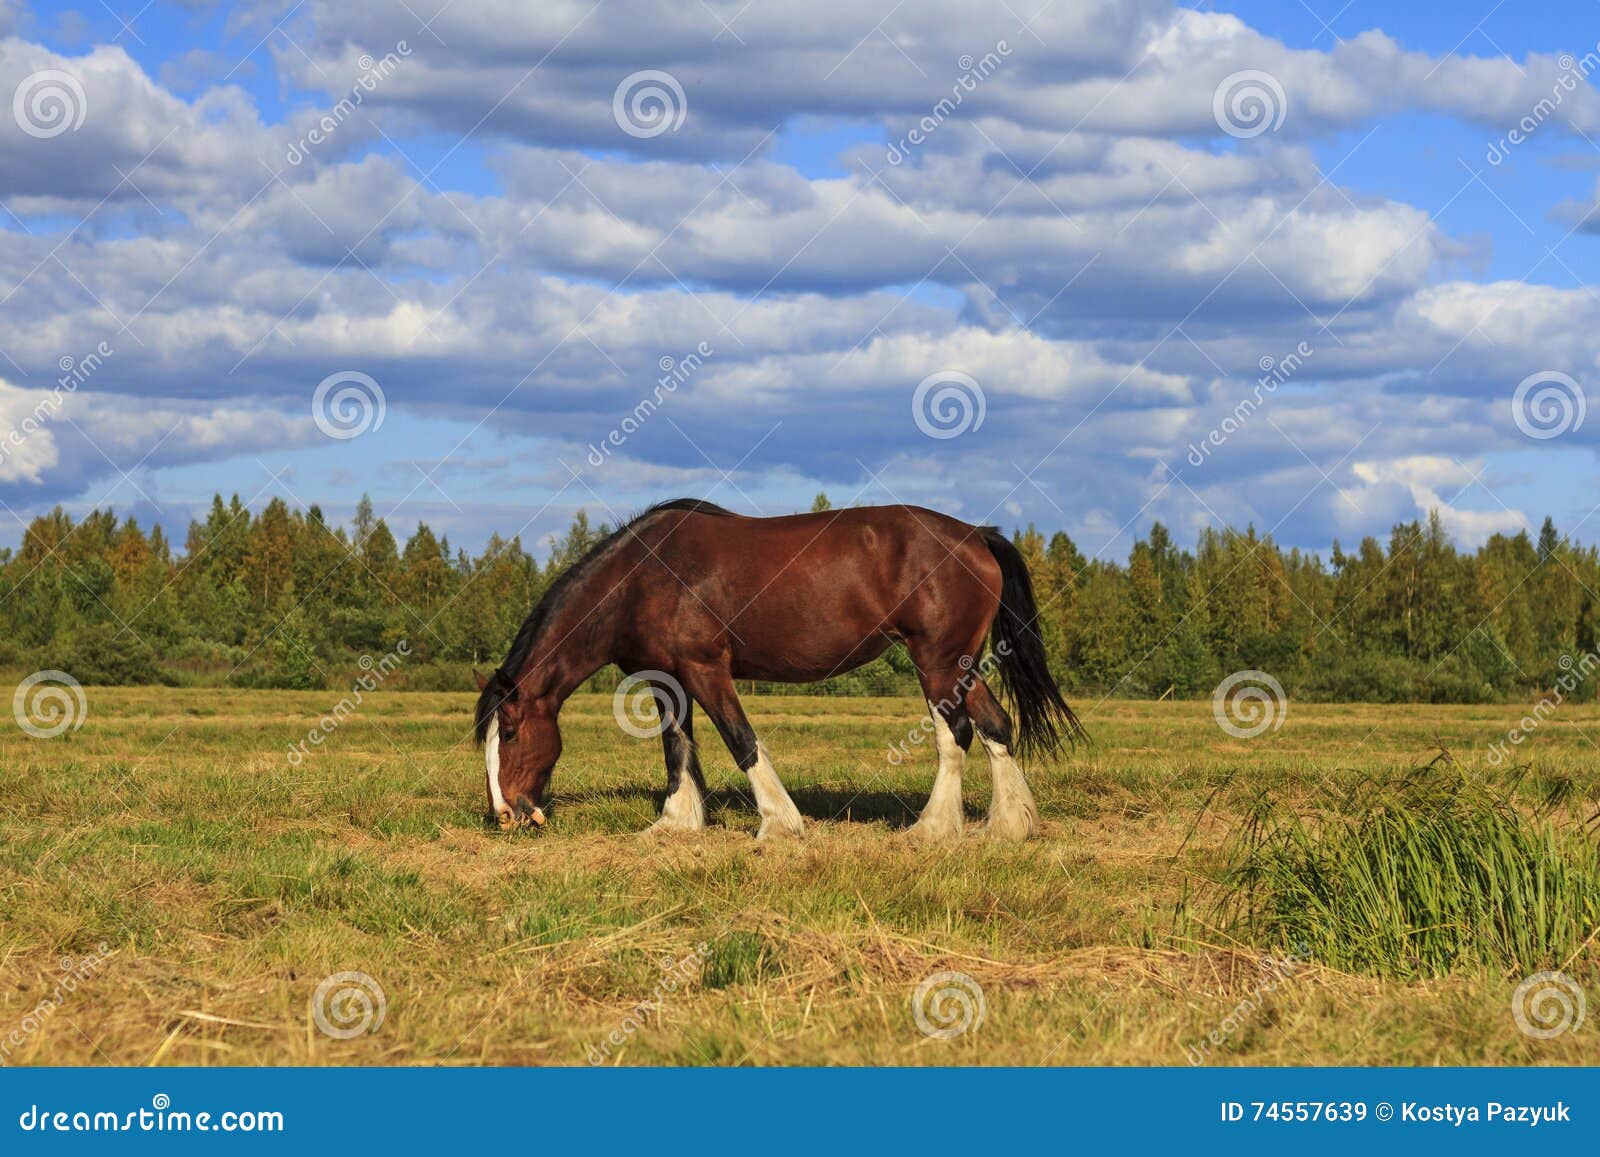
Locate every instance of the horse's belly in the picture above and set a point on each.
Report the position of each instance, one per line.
(799, 663)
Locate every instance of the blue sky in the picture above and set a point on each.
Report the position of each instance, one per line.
(1082, 247)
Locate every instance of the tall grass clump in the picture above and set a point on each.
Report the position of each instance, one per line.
(1414, 875)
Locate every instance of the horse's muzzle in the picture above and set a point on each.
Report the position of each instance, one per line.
(522, 814)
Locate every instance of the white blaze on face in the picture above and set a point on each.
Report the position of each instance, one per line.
(491, 759)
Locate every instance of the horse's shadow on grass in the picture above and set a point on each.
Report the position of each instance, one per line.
(815, 803)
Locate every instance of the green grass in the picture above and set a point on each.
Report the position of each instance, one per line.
(1418, 875)
(228, 883)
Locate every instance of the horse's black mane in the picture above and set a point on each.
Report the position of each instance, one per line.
(501, 682)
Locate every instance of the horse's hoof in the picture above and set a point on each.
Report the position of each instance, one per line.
(1009, 829)
(779, 829)
(936, 833)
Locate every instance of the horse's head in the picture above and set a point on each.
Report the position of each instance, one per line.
(521, 744)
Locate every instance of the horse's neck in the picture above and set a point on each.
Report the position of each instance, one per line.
(572, 645)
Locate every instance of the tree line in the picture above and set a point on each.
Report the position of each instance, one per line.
(282, 598)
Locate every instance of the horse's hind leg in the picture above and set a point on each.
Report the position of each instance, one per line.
(942, 818)
(1012, 812)
(684, 808)
(714, 690)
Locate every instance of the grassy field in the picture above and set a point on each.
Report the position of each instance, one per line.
(226, 883)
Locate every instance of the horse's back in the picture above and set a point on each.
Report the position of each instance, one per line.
(864, 541)
(811, 594)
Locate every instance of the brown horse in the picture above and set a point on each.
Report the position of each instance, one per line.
(688, 597)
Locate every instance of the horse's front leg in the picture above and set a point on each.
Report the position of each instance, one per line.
(684, 809)
(715, 691)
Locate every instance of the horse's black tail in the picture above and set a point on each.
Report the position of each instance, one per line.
(1044, 721)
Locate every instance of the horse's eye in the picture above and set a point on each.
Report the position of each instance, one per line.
(507, 735)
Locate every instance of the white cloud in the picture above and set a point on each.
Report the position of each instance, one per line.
(27, 446)
(1074, 239)
(135, 139)
(1432, 483)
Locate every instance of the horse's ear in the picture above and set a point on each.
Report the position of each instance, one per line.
(479, 679)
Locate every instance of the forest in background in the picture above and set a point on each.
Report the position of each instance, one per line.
(281, 598)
